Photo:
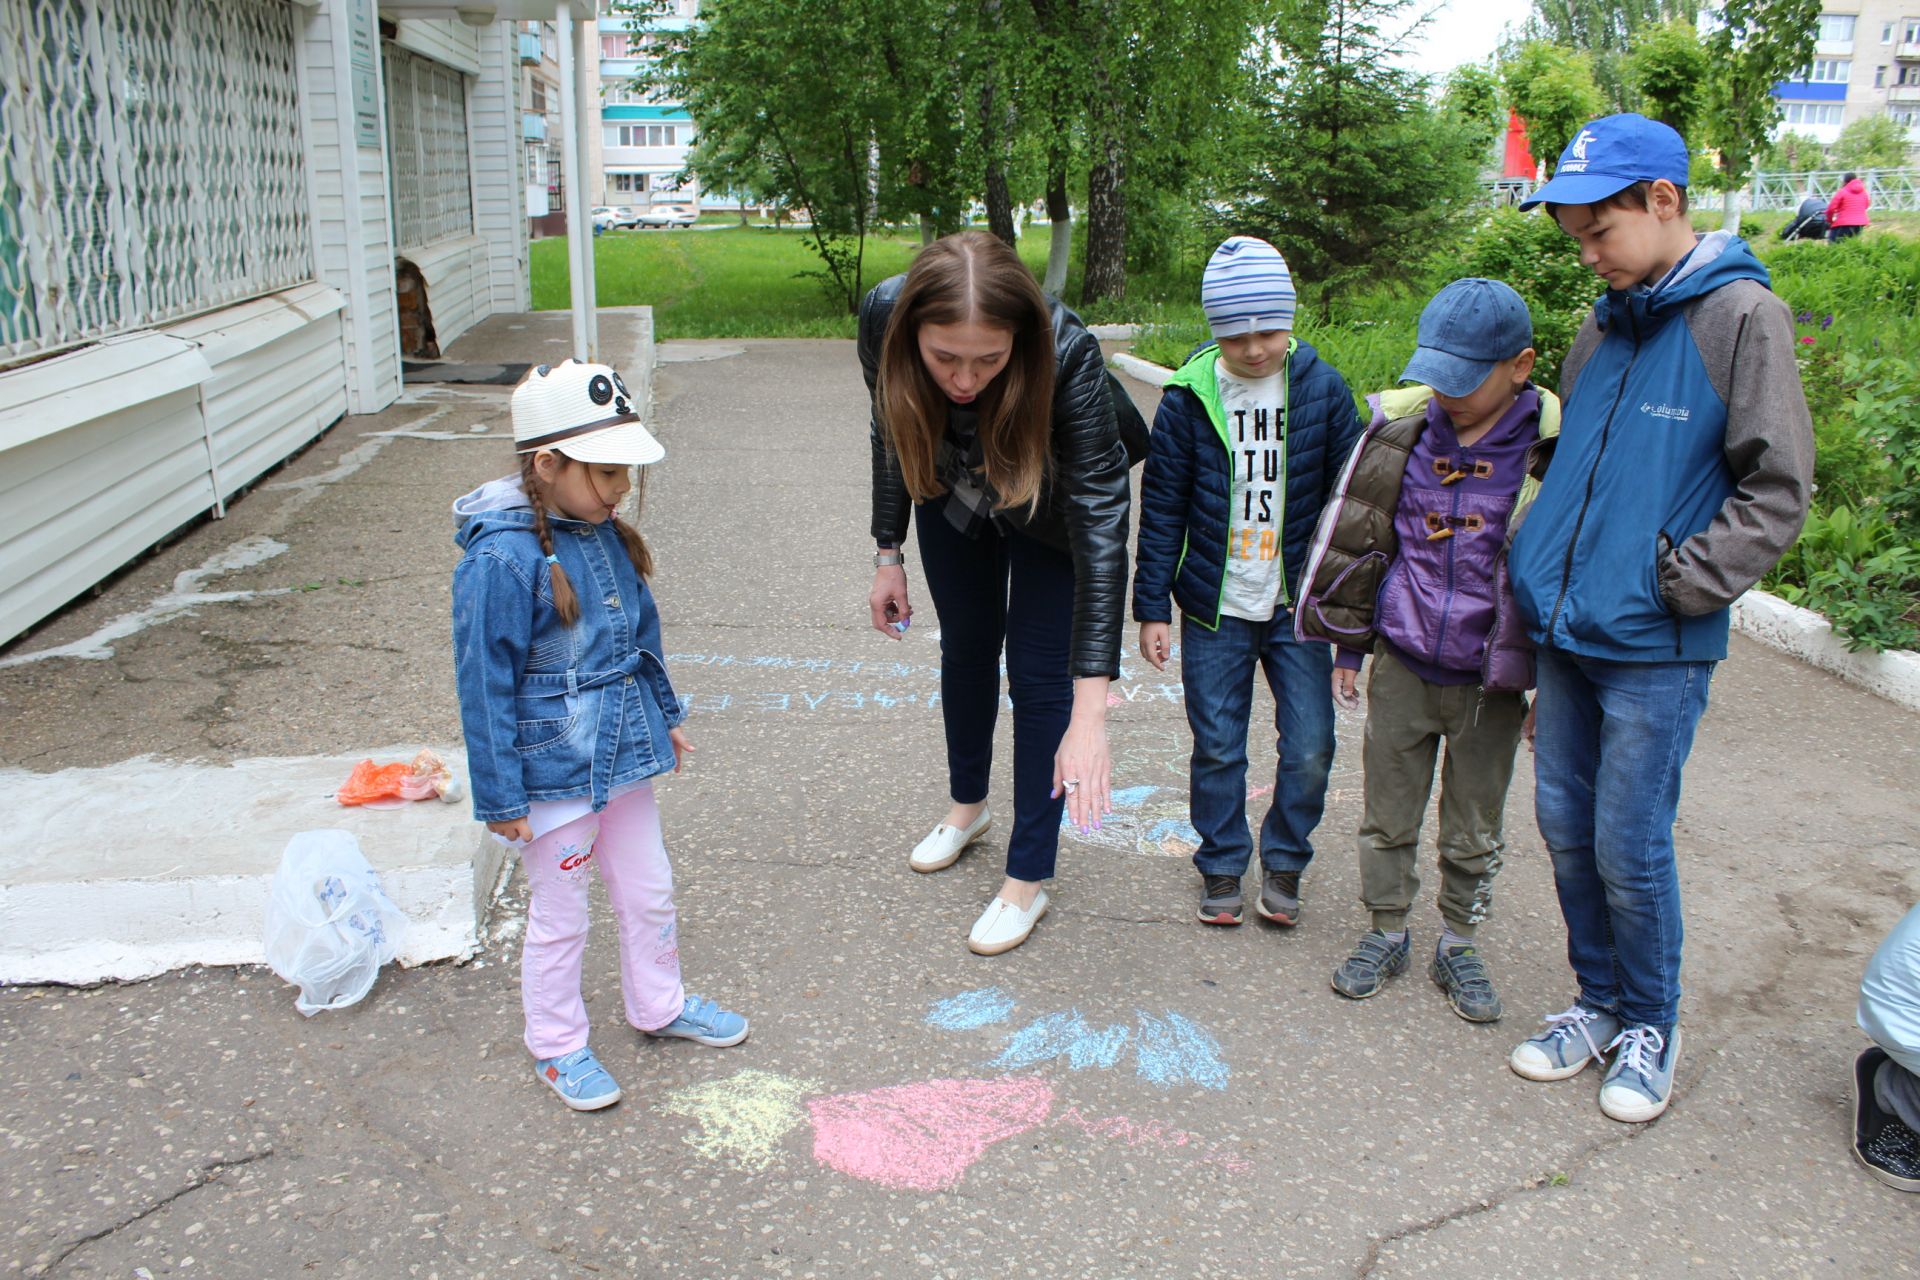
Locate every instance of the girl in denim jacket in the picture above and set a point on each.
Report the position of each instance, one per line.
(569, 715)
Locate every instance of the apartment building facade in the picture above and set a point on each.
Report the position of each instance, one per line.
(1866, 62)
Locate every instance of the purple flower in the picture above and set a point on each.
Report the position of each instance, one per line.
(1803, 317)
(1827, 322)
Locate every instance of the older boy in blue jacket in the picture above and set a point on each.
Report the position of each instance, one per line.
(1250, 437)
(1682, 473)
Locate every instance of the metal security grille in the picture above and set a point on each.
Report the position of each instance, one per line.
(427, 149)
(1892, 190)
(150, 164)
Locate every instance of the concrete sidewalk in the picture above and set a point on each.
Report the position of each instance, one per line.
(1131, 1093)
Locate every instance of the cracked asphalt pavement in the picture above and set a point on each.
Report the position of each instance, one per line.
(1132, 1093)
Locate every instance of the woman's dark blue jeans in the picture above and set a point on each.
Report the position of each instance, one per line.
(1003, 589)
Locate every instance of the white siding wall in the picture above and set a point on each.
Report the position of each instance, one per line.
(352, 226)
(456, 272)
(454, 43)
(499, 169)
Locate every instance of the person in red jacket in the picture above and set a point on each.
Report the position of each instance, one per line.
(1847, 211)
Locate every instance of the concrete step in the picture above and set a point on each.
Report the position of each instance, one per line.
(128, 871)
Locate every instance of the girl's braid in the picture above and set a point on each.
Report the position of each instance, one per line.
(565, 602)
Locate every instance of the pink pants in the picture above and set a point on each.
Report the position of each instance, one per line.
(623, 841)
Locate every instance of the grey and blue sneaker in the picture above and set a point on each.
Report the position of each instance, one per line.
(1373, 960)
(1280, 898)
(579, 1079)
(1461, 973)
(1571, 1040)
(703, 1021)
(1640, 1082)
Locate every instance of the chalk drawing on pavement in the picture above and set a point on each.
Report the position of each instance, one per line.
(971, 1009)
(924, 1136)
(743, 1118)
(1169, 1049)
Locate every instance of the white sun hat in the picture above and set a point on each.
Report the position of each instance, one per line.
(583, 411)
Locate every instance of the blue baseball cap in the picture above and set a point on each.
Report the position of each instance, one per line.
(1468, 328)
(1611, 154)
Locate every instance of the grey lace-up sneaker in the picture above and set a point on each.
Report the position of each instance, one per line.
(1374, 959)
(1280, 898)
(1571, 1040)
(1461, 973)
(1220, 900)
(1639, 1084)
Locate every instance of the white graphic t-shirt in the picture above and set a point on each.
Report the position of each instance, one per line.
(1256, 413)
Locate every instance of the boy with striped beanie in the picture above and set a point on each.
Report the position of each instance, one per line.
(1247, 444)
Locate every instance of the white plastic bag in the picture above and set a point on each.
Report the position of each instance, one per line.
(329, 925)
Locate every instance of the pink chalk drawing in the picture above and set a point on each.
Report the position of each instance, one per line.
(1151, 1133)
(924, 1136)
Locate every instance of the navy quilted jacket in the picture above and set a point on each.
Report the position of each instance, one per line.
(1186, 488)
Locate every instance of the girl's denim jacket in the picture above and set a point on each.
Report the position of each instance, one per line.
(551, 711)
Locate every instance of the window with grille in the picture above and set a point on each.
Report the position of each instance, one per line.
(430, 168)
(150, 165)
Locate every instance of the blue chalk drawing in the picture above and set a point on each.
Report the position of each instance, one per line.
(1062, 1035)
(971, 1009)
(1173, 1050)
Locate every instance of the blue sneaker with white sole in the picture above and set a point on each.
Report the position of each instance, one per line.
(704, 1022)
(1639, 1084)
(579, 1079)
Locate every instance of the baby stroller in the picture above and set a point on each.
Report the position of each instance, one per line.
(1809, 223)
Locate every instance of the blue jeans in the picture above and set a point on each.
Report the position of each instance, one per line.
(1609, 742)
(1003, 590)
(1217, 669)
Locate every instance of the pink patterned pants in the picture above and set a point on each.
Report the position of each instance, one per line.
(623, 842)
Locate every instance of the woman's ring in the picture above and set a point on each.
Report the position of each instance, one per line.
(1071, 784)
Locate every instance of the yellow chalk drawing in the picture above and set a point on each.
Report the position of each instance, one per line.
(743, 1117)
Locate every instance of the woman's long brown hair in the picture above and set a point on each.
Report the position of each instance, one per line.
(962, 277)
(565, 601)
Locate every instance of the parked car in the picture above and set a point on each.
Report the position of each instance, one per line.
(608, 217)
(669, 215)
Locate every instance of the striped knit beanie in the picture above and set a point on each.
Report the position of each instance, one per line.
(1247, 288)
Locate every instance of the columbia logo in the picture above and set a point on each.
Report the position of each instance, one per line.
(1672, 412)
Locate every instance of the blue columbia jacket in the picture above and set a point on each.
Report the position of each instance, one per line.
(553, 711)
(1186, 488)
(1683, 468)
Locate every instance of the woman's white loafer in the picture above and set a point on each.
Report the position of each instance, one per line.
(1003, 926)
(943, 848)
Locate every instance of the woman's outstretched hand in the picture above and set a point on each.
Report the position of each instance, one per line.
(887, 602)
(1082, 767)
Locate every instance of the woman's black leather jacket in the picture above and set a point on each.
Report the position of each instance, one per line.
(1084, 502)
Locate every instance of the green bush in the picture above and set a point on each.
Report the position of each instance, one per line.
(1542, 263)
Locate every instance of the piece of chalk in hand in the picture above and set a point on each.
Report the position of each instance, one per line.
(902, 625)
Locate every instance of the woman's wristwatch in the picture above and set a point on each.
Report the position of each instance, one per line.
(886, 559)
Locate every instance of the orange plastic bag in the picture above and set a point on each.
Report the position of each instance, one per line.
(370, 783)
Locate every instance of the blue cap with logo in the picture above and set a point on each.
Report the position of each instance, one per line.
(1611, 154)
(1468, 328)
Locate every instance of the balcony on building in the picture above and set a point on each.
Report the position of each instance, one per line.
(533, 126)
(1903, 93)
(1907, 51)
(530, 48)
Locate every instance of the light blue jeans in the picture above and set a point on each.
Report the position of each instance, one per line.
(1610, 739)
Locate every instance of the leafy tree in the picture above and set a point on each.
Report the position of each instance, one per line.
(1669, 70)
(1871, 142)
(1472, 101)
(1754, 45)
(1358, 164)
(1553, 89)
(1606, 31)
(1792, 152)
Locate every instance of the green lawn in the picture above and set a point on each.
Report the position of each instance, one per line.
(742, 282)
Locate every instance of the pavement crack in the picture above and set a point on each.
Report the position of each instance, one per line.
(208, 1173)
(1101, 915)
(1559, 1178)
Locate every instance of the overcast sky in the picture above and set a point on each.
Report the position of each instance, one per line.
(1462, 31)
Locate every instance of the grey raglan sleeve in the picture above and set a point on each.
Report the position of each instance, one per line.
(1747, 343)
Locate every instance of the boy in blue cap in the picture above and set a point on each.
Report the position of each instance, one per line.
(1250, 435)
(1682, 473)
(1409, 565)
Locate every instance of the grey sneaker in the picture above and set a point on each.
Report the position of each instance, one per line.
(1571, 1040)
(1280, 897)
(1639, 1084)
(1461, 973)
(1220, 900)
(1374, 959)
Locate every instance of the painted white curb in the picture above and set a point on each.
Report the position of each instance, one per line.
(1154, 375)
(1115, 332)
(128, 871)
(1806, 635)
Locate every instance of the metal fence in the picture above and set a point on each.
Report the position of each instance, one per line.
(1892, 190)
(431, 178)
(150, 164)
